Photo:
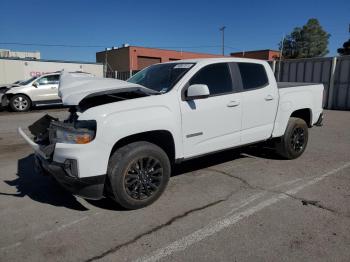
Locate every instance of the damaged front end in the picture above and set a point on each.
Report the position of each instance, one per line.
(68, 149)
(47, 132)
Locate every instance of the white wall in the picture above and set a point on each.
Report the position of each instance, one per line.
(13, 70)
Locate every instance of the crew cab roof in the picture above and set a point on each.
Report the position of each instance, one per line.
(219, 60)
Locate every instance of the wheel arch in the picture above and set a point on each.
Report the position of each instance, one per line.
(6, 100)
(10, 95)
(162, 138)
(305, 114)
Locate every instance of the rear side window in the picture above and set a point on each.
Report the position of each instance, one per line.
(216, 76)
(253, 75)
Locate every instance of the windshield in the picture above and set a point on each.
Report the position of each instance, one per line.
(161, 77)
(26, 82)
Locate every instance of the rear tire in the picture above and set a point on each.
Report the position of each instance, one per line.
(294, 141)
(138, 174)
(20, 103)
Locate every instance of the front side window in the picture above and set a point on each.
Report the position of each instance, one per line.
(216, 76)
(161, 77)
(49, 80)
(253, 75)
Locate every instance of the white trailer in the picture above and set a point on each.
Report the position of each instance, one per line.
(14, 69)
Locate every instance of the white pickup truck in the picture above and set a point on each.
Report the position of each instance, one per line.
(121, 138)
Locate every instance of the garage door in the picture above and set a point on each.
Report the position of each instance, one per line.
(144, 61)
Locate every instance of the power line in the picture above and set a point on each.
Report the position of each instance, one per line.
(103, 46)
(48, 45)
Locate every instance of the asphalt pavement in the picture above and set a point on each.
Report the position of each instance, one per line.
(238, 205)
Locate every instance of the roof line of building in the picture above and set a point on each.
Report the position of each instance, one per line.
(46, 60)
(135, 46)
(255, 51)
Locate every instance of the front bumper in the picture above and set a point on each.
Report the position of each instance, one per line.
(91, 187)
(3, 100)
(88, 187)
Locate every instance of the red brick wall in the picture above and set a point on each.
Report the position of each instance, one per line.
(164, 55)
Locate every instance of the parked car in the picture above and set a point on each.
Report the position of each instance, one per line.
(121, 138)
(5, 88)
(36, 91)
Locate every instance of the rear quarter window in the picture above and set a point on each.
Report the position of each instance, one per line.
(253, 75)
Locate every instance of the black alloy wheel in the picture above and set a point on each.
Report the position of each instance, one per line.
(297, 139)
(143, 178)
(138, 174)
(294, 141)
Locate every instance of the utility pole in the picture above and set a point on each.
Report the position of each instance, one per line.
(222, 29)
(280, 59)
(105, 64)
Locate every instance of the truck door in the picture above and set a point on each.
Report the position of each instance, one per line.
(259, 102)
(212, 123)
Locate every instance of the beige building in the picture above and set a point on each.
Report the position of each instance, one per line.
(12, 70)
(7, 53)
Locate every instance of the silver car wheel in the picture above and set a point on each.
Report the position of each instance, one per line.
(20, 103)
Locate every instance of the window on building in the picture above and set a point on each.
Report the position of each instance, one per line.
(253, 75)
(216, 76)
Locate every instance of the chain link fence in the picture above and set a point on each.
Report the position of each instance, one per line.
(120, 75)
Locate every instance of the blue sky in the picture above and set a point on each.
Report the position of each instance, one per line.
(190, 25)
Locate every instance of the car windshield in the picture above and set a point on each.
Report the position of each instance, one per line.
(26, 82)
(161, 77)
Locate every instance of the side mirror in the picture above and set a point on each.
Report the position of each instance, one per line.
(197, 91)
(35, 84)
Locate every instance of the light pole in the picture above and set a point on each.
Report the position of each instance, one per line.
(222, 29)
(280, 59)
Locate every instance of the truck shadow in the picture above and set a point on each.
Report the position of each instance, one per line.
(256, 151)
(206, 161)
(44, 189)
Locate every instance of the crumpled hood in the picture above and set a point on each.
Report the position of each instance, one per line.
(3, 87)
(74, 87)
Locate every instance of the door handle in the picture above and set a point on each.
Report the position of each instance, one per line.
(53, 87)
(233, 104)
(269, 98)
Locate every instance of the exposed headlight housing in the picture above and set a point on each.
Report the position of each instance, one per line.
(79, 132)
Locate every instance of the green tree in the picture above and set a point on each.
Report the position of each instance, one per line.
(305, 42)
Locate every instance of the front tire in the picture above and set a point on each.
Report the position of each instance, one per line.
(20, 103)
(294, 141)
(138, 174)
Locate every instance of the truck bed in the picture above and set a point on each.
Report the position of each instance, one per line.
(294, 84)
